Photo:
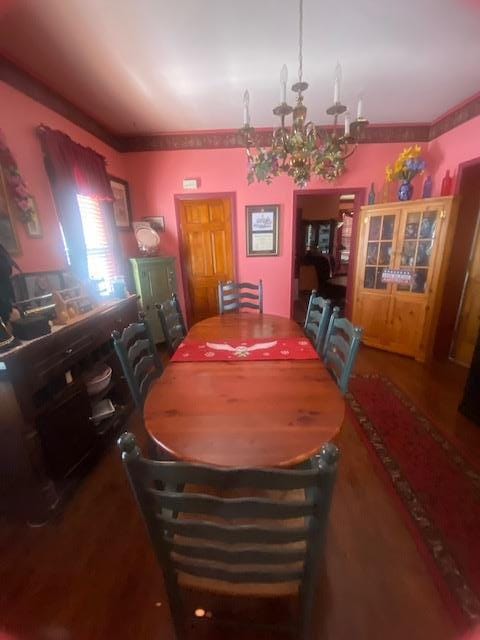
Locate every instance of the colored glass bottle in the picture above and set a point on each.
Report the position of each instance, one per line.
(371, 195)
(446, 184)
(427, 187)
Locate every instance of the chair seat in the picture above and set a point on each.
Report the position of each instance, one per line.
(221, 587)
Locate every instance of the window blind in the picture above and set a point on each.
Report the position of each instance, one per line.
(100, 257)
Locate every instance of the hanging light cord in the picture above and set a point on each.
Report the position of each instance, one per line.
(300, 42)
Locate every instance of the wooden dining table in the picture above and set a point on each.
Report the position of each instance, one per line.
(244, 413)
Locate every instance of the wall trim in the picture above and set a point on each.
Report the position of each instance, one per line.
(34, 88)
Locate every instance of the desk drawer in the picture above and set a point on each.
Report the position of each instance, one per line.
(61, 358)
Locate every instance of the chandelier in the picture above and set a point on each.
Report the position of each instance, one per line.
(301, 150)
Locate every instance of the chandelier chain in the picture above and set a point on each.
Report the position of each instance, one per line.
(300, 42)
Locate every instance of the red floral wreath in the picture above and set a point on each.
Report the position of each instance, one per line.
(15, 182)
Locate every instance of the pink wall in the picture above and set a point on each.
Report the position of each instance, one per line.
(20, 116)
(454, 147)
(155, 178)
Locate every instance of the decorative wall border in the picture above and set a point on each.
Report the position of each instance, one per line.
(21, 80)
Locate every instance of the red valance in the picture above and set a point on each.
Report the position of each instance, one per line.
(69, 163)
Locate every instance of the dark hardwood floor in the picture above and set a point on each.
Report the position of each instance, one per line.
(92, 575)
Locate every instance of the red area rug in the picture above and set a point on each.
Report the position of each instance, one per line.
(241, 351)
(438, 490)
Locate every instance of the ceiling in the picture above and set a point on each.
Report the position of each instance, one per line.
(150, 66)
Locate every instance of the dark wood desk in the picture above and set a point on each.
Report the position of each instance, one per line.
(244, 413)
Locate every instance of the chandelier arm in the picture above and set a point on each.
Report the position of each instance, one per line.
(351, 152)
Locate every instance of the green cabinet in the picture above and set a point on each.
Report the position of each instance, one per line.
(155, 281)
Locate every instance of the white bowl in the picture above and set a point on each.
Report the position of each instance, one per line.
(98, 380)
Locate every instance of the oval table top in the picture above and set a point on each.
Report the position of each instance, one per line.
(249, 414)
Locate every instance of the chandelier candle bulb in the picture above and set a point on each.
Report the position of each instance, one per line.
(246, 111)
(336, 85)
(283, 84)
(360, 108)
(347, 124)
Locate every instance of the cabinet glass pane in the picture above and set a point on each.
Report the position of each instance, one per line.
(423, 253)
(369, 280)
(375, 227)
(385, 253)
(387, 228)
(412, 226)
(419, 280)
(407, 259)
(429, 225)
(378, 282)
(372, 253)
(418, 244)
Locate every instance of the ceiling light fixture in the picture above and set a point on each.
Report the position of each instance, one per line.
(301, 150)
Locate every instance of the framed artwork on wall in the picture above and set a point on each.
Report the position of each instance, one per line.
(122, 211)
(8, 235)
(33, 227)
(262, 230)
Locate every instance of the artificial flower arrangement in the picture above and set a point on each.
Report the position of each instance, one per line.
(408, 165)
(15, 182)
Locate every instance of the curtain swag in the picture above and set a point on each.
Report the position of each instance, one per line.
(69, 163)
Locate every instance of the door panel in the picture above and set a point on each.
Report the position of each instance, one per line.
(371, 313)
(206, 228)
(469, 320)
(405, 323)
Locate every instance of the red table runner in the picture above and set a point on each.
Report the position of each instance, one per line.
(235, 350)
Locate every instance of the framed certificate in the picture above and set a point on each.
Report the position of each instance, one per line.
(262, 230)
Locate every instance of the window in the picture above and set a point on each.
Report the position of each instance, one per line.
(100, 256)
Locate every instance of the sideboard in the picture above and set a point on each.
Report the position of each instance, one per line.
(47, 437)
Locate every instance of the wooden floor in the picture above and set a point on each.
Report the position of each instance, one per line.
(91, 575)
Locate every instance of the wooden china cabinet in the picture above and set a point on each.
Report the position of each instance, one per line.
(402, 259)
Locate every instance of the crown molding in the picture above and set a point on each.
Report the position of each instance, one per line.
(456, 116)
(21, 80)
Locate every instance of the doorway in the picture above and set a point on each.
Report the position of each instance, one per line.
(324, 246)
(206, 247)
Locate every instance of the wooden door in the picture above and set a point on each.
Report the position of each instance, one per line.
(418, 242)
(206, 231)
(378, 231)
(469, 318)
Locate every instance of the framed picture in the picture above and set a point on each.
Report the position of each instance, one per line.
(8, 236)
(122, 212)
(262, 230)
(156, 222)
(34, 228)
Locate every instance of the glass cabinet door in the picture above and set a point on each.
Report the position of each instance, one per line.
(379, 250)
(416, 245)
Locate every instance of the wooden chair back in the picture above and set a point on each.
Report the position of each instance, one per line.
(247, 540)
(316, 320)
(342, 343)
(172, 322)
(235, 296)
(139, 358)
